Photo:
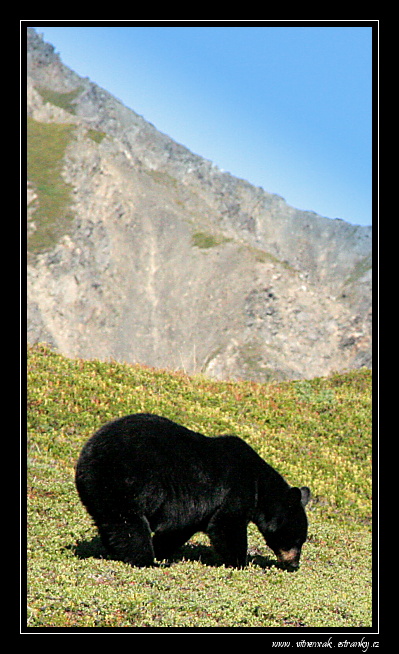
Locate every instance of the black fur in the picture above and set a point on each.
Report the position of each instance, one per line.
(150, 484)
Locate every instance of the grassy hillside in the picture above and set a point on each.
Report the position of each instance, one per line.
(46, 147)
(315, 432)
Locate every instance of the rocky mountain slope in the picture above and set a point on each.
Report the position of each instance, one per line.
(140, 251)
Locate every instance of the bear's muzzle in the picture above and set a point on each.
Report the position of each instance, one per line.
(289, 558)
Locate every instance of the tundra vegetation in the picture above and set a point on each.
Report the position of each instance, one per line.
(315, 432)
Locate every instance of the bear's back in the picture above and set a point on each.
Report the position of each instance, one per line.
(143, 443)
(143, 432)
(148, 446)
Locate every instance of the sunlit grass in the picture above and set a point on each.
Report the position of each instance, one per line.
(316, 433)
(61, 99)
(46, 147)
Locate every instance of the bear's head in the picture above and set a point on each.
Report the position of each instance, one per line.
(287, 531)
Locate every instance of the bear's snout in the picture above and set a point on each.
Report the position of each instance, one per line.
(289, 558)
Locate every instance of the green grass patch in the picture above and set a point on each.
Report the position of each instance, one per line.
(316, 433)
(95, 135)
(207, 240)
(63, 100)
(46, 147)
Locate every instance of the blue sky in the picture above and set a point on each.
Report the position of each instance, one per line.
(285, 107)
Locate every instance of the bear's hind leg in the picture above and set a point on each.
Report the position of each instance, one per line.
(166, 543)
(229, 539)
(129, 540)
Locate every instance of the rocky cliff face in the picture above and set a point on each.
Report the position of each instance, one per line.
(154, 255)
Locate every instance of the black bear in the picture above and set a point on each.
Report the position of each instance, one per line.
(150, 484)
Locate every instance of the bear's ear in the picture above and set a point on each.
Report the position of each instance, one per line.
(294, 496)
(298, 495)
(305, 495)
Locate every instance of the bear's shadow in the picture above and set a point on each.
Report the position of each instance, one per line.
(204, 554)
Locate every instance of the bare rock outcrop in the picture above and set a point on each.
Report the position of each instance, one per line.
(158, 257)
